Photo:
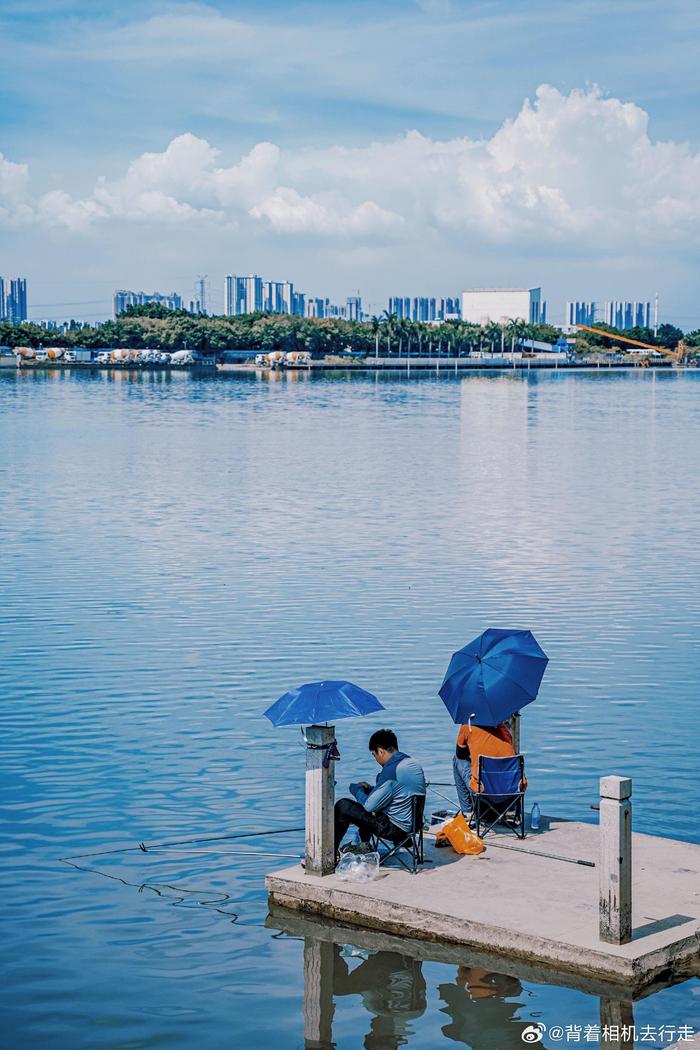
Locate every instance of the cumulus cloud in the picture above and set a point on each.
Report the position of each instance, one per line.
(289, 212)
(14, 183)
(578, 168)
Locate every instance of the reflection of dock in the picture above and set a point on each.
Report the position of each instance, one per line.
(533, 909)
(485, 1005)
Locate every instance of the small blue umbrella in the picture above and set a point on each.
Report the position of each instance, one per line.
(322, 702)
(493, 677)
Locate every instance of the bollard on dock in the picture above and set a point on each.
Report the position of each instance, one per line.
(320, 798)
(615, 867)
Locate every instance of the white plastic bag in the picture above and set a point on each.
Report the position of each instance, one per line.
(358, 867)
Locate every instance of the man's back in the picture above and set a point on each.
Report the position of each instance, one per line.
(494, 741)
(394, 796)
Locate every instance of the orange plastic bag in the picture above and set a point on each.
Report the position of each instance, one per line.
(461, 837)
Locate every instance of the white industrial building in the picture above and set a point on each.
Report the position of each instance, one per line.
(483, 305)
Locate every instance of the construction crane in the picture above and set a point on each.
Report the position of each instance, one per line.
(674, 354)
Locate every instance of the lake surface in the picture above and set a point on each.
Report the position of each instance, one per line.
(177, 552)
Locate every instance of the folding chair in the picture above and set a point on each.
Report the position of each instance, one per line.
(411, 843)
(500, 781)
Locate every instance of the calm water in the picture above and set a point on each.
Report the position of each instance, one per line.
(177, 552)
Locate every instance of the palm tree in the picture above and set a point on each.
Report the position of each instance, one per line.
(492, 333)
(390, 323)
(517, 329)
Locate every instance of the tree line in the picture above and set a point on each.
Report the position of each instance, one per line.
(153, 327)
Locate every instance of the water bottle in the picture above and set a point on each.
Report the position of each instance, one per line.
(535, 817)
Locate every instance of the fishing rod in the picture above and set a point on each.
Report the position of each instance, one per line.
(521, 849)
(450, 800)
(221, 838)
(217, 852)
(181, 842)
(539, 853)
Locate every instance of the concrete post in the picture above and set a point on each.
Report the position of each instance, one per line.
(320, 797)
(318, 994)
(615, 866)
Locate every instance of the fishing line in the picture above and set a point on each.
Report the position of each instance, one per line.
(180, 842)
(153, 886)
(219, 899)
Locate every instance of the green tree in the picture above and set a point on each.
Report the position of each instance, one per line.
(669, 336)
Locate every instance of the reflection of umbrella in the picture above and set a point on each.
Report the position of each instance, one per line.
(322, 702)
(493, 677)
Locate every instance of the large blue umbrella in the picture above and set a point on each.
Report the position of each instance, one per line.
(493, 677)
(322, 702)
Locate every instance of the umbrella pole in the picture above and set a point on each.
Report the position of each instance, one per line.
(514, 726)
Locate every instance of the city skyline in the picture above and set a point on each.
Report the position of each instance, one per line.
(574, 170)
(617, 313)
(124, 297)
(253, 293)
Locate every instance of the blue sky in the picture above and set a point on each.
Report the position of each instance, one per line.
(403, 154)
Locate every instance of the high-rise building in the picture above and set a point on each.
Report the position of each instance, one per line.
(246, 295)
(13, 299)
(253, 294)
(354, 305)
(276, 298)
(400, 305)
(286, 293)
(425, 308)
(621, 314)
(580, 312)
(483, 305)
(124, 298)
(235, 296)
(315, 307)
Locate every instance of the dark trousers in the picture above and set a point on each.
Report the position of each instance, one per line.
(348, 812)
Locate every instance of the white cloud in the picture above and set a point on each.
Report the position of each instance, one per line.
(577, 169)
(326, 214)
(14, 184)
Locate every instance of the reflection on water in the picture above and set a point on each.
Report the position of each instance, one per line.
(177, 552)
(390, 986)
(398, 985)
(480, 1002)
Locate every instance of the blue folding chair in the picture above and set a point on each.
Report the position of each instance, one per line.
(406, 842)
(501, 798)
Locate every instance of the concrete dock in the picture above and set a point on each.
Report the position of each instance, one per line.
(515, 903)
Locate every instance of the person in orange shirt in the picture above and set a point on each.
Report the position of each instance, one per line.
(472, 741)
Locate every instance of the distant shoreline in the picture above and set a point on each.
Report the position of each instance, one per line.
(396, 367)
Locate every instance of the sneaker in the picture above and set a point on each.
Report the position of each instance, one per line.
(358, 848)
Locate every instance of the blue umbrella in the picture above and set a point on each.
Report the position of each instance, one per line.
(493, 677)
(322, 702)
